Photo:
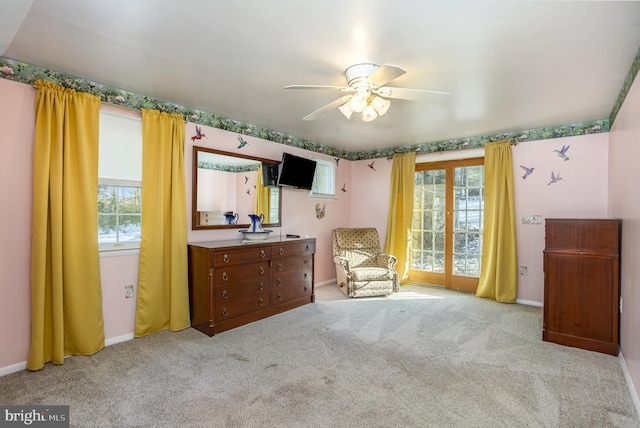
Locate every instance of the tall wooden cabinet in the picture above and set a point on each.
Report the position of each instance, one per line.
(232, 283)
(581, 283)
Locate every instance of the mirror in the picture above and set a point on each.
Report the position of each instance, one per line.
(227, 187)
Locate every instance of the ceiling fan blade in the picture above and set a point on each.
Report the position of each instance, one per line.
(338, 88)
(407, 94)
(331, 105)
(385, 74)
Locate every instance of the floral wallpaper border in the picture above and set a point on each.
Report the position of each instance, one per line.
(227, 168)
(626, 86)
(27, 73)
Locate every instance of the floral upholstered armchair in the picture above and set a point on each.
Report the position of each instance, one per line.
(361, 269)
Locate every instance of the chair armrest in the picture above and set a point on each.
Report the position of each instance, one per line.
(343, 262)
(387, 260)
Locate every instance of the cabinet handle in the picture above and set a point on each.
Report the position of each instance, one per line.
(279, 266)
(225, 276)
(224, 294)
(281, 251)
(279, 282)
(262, 254)
(260, 302)
(261, 270)
(261, 286)
(224, 311)
(225, 258)
(279, 296)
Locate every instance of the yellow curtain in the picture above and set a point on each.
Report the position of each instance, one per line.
(499, 270)
(398, 242)
(163, 296)
(66, 295)
(263, 200)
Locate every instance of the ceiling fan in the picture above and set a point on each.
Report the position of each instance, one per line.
(367, 92)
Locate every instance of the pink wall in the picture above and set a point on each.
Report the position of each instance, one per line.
(625, 204)
(16, 156)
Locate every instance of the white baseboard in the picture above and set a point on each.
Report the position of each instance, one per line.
(329, 282)
(529, 302)
(14, 368)
(630, 385)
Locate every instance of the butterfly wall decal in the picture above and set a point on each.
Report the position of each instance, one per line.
(320, 211)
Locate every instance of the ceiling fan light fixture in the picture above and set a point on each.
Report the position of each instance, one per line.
(369, 113)
(346, 110)
(358, 102)
(380, 105)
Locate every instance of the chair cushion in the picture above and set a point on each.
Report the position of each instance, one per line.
(371, 274)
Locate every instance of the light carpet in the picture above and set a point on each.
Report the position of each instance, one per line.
(424, 357)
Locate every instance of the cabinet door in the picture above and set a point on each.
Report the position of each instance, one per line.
(580, 302)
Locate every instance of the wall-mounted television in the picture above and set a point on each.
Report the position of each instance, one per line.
(296, 171)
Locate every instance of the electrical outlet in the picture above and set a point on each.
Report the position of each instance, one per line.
(523, 270)
(128, 291)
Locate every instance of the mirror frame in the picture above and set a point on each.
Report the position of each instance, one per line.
(195, 218)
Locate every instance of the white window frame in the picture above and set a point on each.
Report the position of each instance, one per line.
(130, 144)
(330, 179)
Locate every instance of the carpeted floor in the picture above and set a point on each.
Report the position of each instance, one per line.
(424, 357)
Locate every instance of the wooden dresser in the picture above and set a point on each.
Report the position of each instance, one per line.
(581, 283)
(232, 283)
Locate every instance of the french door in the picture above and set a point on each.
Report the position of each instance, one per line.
(446, 243)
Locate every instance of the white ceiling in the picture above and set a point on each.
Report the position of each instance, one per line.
(509, 65)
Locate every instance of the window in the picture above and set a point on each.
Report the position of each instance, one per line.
(324, 179)
(119, 181)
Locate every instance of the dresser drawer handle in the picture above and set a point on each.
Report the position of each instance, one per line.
(224, 294)
(260, 301)
(225, 276)
(306, 261)
(279, 296)
(306, 289)
(279, 266)
(261, 270)
(281, 251)
(305, 275)
(279, 282)
(224, 311)
(262, 254)
(261, 286)
(306, 247)
(225, 258)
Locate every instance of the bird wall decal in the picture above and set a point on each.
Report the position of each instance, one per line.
(337, 161)
(344, 187)
(555, 178)
(242, 142)
(371, 165)
(198, 135)
(563, 152)
(527, 171)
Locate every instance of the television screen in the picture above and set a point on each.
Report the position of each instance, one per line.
(296, 171)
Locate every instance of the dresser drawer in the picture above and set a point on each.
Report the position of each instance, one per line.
(239, 289)
(283, 266)
(253, 273)
(296, 248)
(238, 256)
(290, 291)
(234, 308)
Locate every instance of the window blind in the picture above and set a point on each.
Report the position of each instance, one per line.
(120, 150)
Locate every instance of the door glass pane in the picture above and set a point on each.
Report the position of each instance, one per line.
(468, 219)
(428, 221)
